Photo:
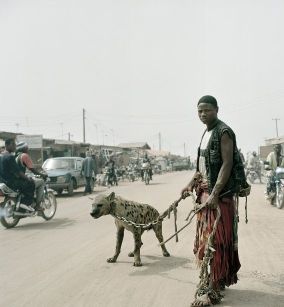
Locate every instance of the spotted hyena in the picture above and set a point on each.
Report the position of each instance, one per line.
(131, 211)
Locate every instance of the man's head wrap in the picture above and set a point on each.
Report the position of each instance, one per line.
(277, 147)
(21, 146)
(208, 99)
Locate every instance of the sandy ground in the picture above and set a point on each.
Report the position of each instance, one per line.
(63, 262)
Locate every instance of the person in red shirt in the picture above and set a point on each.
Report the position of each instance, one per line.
(24, 162)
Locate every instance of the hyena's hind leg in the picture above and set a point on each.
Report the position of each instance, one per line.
(158, 232)
(119, 239)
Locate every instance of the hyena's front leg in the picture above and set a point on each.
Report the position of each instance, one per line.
(137, 246)
(119, 239)
(158, 231)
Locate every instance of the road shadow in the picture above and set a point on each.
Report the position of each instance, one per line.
(65, 195)
(156, 183)
(78, 194)
(56, 223)
(242, 298)
(161, 265)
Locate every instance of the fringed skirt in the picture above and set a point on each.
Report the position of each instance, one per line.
(225, 263)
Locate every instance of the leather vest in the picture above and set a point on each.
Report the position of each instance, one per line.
(213, 160)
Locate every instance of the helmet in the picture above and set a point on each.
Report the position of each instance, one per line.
(21, 146)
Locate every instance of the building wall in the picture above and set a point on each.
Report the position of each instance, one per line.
(264, 151)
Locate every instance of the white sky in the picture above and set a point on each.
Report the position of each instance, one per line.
(138, 67)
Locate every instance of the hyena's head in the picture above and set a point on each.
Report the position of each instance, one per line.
(102, 205)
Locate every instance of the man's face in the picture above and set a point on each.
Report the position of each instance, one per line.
(277, 149)
(207, 113)
(11, 147)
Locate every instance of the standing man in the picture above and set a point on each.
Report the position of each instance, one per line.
(88, 169)
(217, 180)
(14, 177)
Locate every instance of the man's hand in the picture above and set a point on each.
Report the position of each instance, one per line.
(30, 178)
(186, 191)
(212, 201)
(44, 176)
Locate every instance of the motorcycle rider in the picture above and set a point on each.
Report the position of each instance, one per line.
(14, 177)
(25, 162)
(274, 160)
(111, 164)
(253, 163)
(147, 160)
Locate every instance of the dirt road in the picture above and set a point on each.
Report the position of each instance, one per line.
(63, 262)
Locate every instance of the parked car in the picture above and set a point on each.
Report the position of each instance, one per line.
(65, 174)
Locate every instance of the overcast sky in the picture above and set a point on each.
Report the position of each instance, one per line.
(138, 67)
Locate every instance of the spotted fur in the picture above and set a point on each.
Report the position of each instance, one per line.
(131, 211)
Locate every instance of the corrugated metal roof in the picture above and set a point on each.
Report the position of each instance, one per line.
(143, 145)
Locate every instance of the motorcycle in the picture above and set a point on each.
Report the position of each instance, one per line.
(252, 175)
(275, 187)
(146, 172)
(131, 176)
(110, 178)
(11, 212)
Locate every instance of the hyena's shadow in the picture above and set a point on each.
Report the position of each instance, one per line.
(160, 265)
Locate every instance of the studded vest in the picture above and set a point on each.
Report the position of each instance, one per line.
(213, 160)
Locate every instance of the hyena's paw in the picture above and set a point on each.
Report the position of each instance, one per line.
(111, 260)
(166, 254)
(131, 254)
(137, 263)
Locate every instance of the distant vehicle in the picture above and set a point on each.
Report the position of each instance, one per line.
(180, 165)
(146, 172)
(277, 191)
(252, 175)
(65, 174)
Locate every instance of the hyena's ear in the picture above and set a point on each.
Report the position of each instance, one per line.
(111, 196)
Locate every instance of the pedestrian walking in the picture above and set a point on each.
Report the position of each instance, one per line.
(88, 171)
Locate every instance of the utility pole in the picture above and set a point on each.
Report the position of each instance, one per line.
(61, 124)
(113, 140)
(69, 136)
(184, 152)
(160, 141)
(84, 128)
(276, 123)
